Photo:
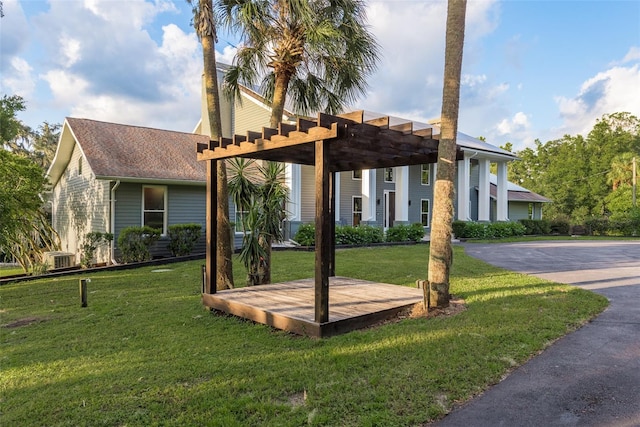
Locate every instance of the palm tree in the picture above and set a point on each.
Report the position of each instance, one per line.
(621, 170)
(317, 52)
(440, 253)
(204, 24)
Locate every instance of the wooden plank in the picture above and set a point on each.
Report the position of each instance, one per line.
(425, 133)
(285, 128)
(252, 136)
(357, 116)
(381, 122)
(289, 306)
(403, 127)
(237, 139)
(201, 146)
(323, 229)
(267, 133)
(304, 125)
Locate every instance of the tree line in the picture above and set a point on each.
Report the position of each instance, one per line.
(585, 177)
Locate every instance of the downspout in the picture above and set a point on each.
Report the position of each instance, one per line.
(112, 221)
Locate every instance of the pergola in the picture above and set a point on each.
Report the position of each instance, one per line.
(345, 142)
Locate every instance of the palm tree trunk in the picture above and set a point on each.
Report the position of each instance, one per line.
(440, 253)
(224, 275)
(279, 98)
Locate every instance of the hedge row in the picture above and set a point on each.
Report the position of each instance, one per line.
(608, 227)
(543, 226)
(362, 234)
(490, 230)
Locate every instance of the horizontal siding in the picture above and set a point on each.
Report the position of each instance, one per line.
(250, 116)
(307, 194)
(80, 206)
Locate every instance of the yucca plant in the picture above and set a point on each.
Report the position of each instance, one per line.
(259, 192)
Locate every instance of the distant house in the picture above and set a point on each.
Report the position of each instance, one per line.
(109, 176)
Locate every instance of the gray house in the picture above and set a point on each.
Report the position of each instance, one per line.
(108, 176)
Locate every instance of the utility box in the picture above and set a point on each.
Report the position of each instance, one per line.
(57, 259)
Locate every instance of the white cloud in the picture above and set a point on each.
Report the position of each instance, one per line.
(18, 78)
(411, 36)
(70, 50)
(227, 55)
(614, 90)
(108, 67)
(632, 55)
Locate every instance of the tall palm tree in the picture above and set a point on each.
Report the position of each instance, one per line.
(318, 53)
(440, 253)
(204, 24)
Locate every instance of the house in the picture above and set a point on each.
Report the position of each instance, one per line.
(107, 176)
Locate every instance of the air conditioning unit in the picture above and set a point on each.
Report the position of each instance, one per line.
(59, 259)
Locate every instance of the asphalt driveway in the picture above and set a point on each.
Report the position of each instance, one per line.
(590, 377)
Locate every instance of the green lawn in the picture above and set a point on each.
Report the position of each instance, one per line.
(145, 352)
(10, 271)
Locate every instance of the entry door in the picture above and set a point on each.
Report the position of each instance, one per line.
(389, 208)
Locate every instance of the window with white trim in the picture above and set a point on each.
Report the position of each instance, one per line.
(424, 212)
(357, 210)
(239, 227)
(425, 174)
(388, 174)
(154, 207)
(357, 174)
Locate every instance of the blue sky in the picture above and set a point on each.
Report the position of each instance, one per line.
(531, 69)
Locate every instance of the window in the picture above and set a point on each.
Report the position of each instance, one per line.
(424, 212)
(79, 166)
(240, 215)
(531, 212)
(425, 174)
(357, 174)
(154, 207)
(357, 210)
(388, 174)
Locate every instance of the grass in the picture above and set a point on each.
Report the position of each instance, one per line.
(10, 271)
(145, 352)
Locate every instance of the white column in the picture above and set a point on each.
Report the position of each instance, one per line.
(484, 196)
(369, 195)
(502, 195)
(402, 193)
(463, 188)
(292, 178)
(337, 197)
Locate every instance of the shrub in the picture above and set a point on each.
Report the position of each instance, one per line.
(344, 235)
(135, 243)
(536, 226)
(90, 245)
(559, 226)
(623, 226)
(306, 235)
(494, 230)
(405, 233)
(183, 238)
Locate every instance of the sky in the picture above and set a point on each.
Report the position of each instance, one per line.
(531, 69)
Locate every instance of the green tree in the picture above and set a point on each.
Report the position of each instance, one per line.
(10, 126)
(441, 252)
(205, 26)
(317, 53)
(25, 232)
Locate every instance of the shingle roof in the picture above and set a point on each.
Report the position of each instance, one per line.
(123, 151)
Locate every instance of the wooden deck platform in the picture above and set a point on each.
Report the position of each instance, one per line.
(289, 306)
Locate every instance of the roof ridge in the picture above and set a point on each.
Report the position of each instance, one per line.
(131, 126)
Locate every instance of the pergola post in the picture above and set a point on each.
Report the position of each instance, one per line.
(211, 227)
(332, 231)
(323, 232)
